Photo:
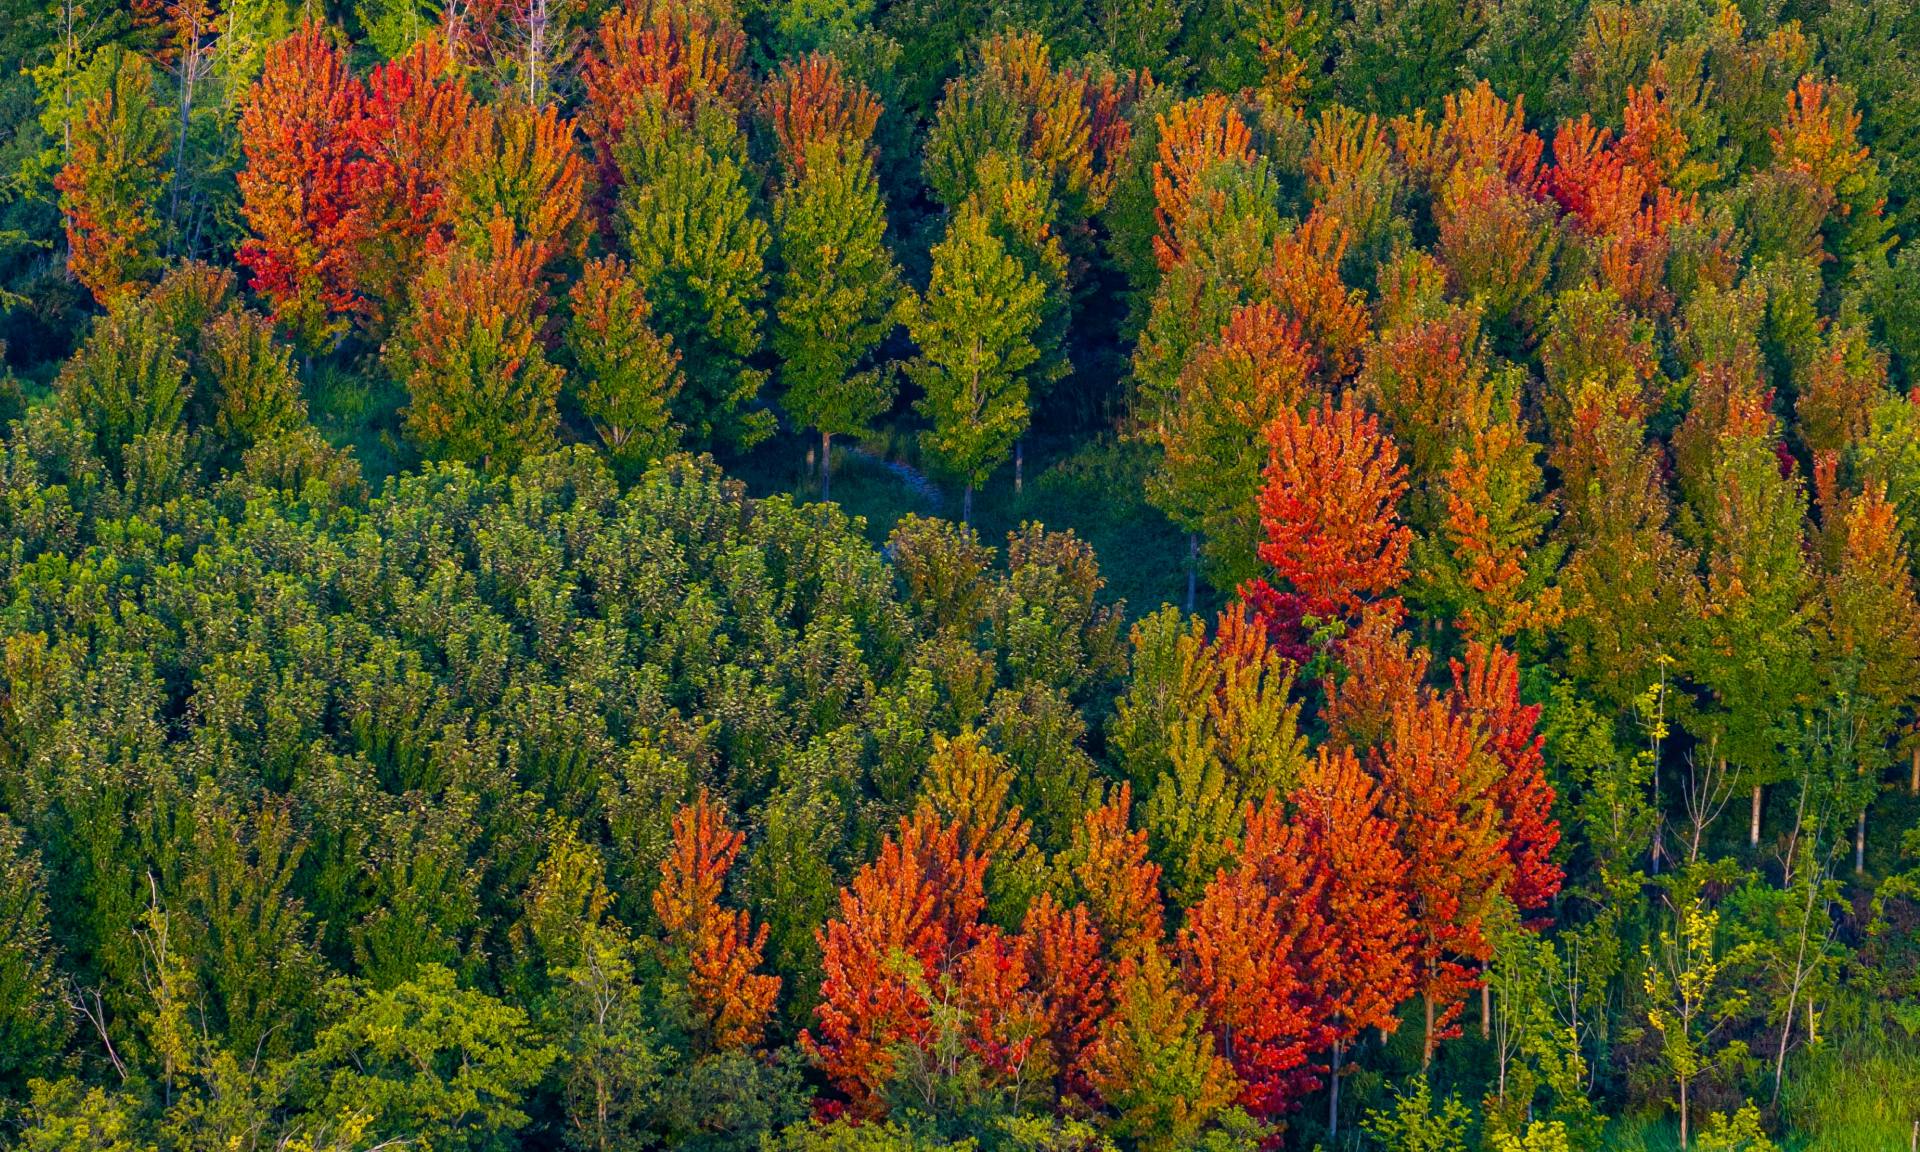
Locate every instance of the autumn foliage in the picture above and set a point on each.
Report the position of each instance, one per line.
(731, 999)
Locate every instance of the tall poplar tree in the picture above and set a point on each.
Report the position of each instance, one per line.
(975, 327)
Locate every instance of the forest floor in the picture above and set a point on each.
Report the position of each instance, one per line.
(1094, 487)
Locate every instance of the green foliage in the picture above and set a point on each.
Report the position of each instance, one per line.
(698, 251)
(836, 293)
(33, 1020)
(975, 328)
(442, 1066)
(1415, 1124)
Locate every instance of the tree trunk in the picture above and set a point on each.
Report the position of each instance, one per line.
(966, 505)
(1426, 1047)
(1193, 566)
(1019, 460)
(1913, 782)
(826, 466)
(1753, 826)
(1860, 845)
(1486, 1007)
(1683, 1113)
(1333, 1096)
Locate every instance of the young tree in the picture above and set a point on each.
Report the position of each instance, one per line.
(1870, 643)
(1332, 484)
(625, 375)
(1362, 969)
(715, 947)
(914, 978)
(1751, 647)
(698, 249)
(1208, 479)
(1486, 687)
(835, 295)
(300, 131)
(975, 328)
(1693, 998)
(111, 184)
(1244, 950)
(469, 352)
(1438, 782)
(1154, 1065)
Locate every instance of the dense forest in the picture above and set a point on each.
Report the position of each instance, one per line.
(960, 576)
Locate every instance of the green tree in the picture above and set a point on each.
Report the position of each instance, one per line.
(444, 1067)
(835, 297)
(698, 250)
(975, 327)
(1693, 999)
(625, 375)
(33, 1021)
(480, 387)
(128, 387)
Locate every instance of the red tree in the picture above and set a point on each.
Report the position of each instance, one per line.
(300, 131)
(414, 113)
(717, 946)
(1244, 952)
(1437, 784)
(1486, 687)
(909, 938)
(1362, 970)
(1332, 483)
(1073, 985)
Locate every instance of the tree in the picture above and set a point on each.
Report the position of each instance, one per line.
(1208, 480)
(111, 184)
(625, 374)
(1332, 483)
(249, 378)
(1074, 987)
(1362, 968)
(1111, 873)
(811, 103)
(1437, 784)
(1229, 736)
(34, 1024)
(715, 947)
(1193, 137)
(1244, 951)
(128, 387)
(672, 52)
(1496, 568)
(408, 133)
(1154, 1064)
(975, 327)
(300, 131)
(1486, 687)
(1693, 998)
(469, 352)
(426, 1060)
(835, 296)
(1871, 636)
(696, 246)
(1751, 648)
(920, 997)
